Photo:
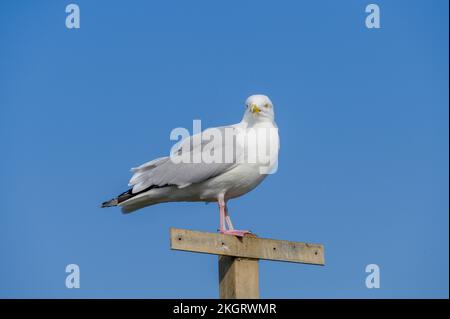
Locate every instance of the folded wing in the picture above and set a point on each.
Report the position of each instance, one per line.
(173, 171)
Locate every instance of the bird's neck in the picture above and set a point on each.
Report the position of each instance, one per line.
(249, 120)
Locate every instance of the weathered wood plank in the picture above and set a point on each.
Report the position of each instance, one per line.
(247, 247)
(238, 278)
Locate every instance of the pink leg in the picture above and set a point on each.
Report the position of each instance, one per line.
(225, 218)
(222, 216)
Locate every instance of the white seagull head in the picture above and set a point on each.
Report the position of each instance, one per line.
(259, 107)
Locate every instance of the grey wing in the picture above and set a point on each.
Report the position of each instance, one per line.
(183, 168)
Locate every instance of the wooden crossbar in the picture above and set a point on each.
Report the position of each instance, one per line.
(246, 247)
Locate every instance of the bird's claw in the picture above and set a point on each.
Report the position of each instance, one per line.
(235, 232)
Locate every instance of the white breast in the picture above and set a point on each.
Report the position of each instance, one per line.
(261, 145)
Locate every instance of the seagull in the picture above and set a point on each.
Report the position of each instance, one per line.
(167, 179)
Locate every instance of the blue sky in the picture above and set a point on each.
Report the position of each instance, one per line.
(363, 117)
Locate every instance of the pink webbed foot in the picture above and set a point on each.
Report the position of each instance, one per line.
(235, 232)
(226, 226)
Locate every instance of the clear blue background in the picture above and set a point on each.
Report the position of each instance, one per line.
(363, 117)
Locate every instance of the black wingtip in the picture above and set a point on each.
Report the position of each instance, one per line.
(127, 195)
(110, 203)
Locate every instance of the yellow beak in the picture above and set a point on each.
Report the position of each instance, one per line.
(254, 108)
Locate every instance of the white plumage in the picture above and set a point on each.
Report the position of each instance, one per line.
(163, 180)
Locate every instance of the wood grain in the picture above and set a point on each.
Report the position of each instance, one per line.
(247, 247)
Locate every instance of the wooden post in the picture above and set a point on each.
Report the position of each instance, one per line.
(239, 257)
(238, 278)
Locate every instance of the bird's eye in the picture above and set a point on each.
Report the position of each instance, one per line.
(267, 105)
